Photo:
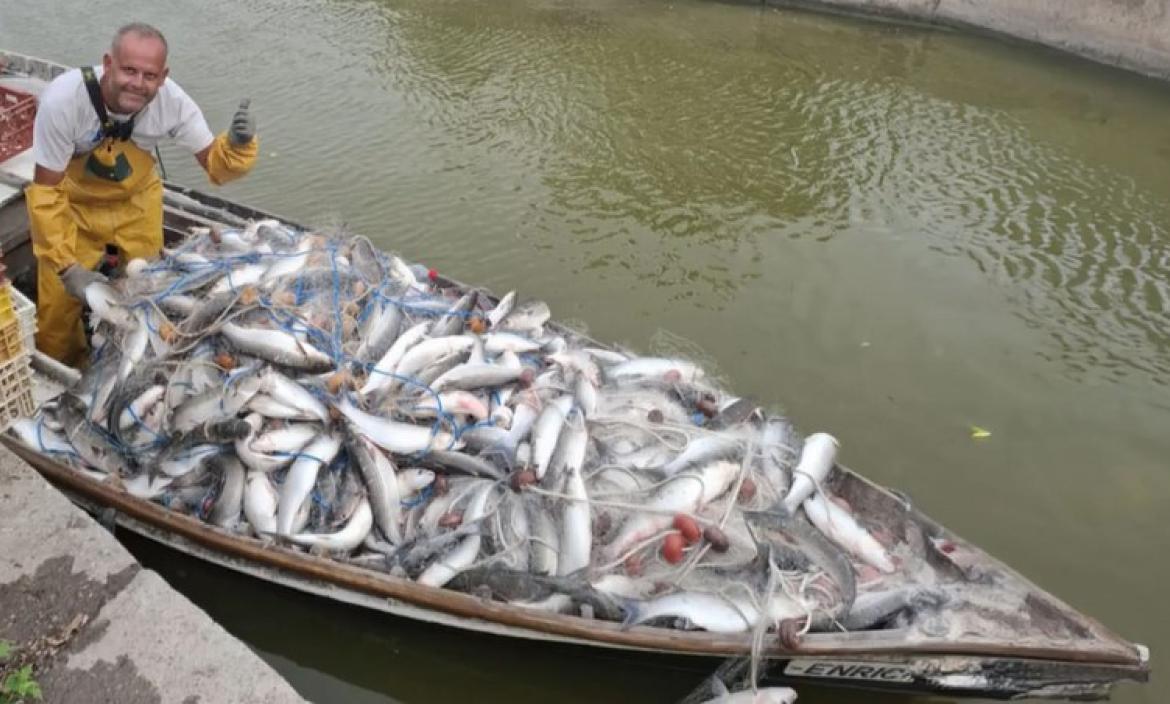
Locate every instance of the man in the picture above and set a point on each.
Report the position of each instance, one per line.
(95, 183)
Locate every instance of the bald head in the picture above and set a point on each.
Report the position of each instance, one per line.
(139, 30)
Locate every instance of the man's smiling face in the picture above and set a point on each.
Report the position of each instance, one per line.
(134, 71)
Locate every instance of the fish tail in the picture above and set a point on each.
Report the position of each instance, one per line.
(505, 450)
(633, 613)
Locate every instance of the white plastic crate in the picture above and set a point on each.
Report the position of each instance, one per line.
(26, 313)
(16, 397)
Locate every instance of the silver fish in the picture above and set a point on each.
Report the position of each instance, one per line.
(301, 478)
(704, 449)
(501, 309)
(134, 345)
(290, 438)
(260, 503)
(381, 483)
(544, 544)
(475, 376)
(230, 502)
(843, 529)
(528, 317)
(654, 369)
(463, 554)
(777, 453)
(380, 332)
(546, 431)
(453, 320)
(427, 352)
(576, 524)
(717, 613)
(496, 343)
(257, 461)
(105, 304)
(457, 402)
(403, 438)
(462, 463)
(289, 393)
(381, 375)
(585, 395)
(245, 273)
(139, 407)
(34, 433)
(286, 264)
(268, 407)
(816, 461)
(344, 540)
(184, 459)
(216, 403)
(572, 445)
(686, 493)
(93, 446)
(277, 347)
(872, 608)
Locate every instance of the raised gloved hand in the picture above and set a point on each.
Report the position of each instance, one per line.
(243, 127)
(77, 278)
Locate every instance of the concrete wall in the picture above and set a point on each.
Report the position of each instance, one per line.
(98, 627)
(1131, 34)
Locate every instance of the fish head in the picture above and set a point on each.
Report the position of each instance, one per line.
(70, 405)
(775, 695)
(418, 478)
(927, 599)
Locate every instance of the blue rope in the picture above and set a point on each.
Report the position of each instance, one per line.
(297, 455)
(141, 423)
(422, 497)
(41, 441)
(317, 499)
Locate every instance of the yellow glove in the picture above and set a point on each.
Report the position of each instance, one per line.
(228, 161)
(54, 232)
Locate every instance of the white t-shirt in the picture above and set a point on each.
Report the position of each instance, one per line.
(67, 125)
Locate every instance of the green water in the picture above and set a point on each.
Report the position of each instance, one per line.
(892, 233)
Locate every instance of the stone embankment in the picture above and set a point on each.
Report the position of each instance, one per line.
(99, 627)
(1130, 34)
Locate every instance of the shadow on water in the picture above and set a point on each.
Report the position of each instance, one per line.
(335, 652)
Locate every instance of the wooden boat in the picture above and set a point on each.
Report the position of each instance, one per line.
(1038, 647)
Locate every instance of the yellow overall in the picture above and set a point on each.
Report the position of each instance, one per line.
(109, 196)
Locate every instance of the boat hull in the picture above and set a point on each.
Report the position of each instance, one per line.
(960, 670)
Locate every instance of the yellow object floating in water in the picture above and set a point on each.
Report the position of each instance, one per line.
(978, 433)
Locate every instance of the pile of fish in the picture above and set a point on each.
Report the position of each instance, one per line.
(309, 390)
